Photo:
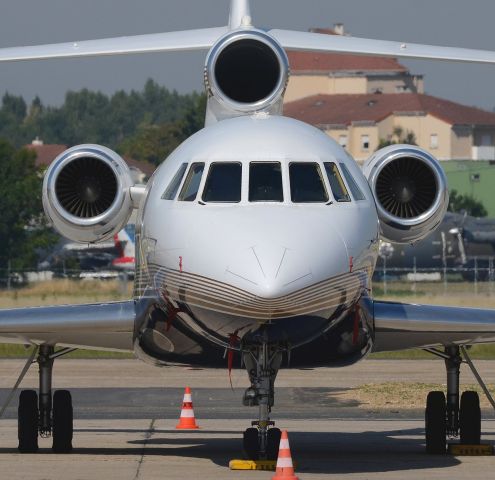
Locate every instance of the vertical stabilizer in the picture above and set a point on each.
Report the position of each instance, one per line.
(240, 14)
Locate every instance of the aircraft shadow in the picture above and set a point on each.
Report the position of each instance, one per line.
(314, 452)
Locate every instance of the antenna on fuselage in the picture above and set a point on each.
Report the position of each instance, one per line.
(240, 14)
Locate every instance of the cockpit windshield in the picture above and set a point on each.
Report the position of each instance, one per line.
(223, 183)
(191, 185)
(265, 182)
(336, 183)
(306, 183)
(173, 186)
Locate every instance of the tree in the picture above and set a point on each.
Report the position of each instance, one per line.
(398, 137)
(466, 203)
(22, 228)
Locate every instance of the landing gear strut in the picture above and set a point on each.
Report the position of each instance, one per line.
(449, 416)
(262, 361)
(41, 415)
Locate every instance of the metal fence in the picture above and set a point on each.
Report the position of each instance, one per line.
(480, 274)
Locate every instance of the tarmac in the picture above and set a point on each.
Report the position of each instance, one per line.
(126, 412)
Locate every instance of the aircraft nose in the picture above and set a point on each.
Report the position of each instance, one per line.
(269, 270)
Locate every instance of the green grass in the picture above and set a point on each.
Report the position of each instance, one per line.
(477, 352)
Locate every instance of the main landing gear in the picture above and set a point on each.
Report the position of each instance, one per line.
(450, 416)
(262, 361)
(44, 415)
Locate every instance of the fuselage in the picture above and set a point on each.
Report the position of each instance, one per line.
(256, 220)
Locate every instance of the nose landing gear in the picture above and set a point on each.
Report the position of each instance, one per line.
(262, 361)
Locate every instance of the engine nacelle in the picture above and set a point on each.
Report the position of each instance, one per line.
(410, 190)
(247, 71)
(86, 193)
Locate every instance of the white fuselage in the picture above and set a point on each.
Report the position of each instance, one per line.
(236, 265)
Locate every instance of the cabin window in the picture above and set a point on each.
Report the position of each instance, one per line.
(223, 183)
(306, 183)
(336, 183)
(357, 193)
(174, 185)
(191, 185)
(265, 182)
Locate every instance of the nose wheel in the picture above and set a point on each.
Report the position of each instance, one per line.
(257, 448)
(262, 361)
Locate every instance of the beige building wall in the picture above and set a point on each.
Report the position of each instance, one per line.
(395, 84)
(301, 86)
(357, 134)
(347, 85)
(432, 134)
(354, 137)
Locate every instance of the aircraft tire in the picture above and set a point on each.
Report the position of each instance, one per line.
(62, 431)
(435, 423)
(470, 418)
(27, 421)
(273, 443)
(250, 443)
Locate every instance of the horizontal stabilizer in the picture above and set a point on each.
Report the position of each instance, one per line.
(317, 42)
(201, 39)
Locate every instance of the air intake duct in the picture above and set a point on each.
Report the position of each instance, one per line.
(247, 71)
(86, 193)
(410, 191)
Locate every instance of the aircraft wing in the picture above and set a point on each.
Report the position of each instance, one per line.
(399, 325)
(94, 326)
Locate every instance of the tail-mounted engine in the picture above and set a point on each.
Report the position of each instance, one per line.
(410, 190)
(86, 193)
(246, 71)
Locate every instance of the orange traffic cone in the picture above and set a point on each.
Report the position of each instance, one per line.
(285, 469)
(187, 420)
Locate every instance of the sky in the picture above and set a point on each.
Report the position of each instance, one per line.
(28, 22)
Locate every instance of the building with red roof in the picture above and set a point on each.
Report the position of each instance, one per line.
(361, 122)
(364, 102)
(334, 73)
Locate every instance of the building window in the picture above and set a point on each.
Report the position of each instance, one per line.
(365, 143)
(486, 140)
(434, 141)
(343, 141)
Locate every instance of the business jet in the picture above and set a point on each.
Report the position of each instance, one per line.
(256, 239)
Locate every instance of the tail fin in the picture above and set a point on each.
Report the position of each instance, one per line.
(124, 244)
(239, 10)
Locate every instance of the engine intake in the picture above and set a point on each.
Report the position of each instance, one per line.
(86, 193)
(410, 190)
(247, 70)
